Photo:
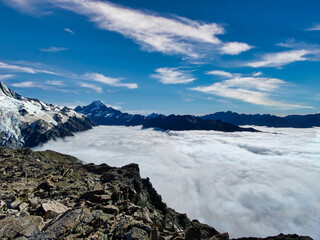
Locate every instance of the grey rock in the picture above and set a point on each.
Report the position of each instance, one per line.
(15, 204)
(25, 226)
(52, 209)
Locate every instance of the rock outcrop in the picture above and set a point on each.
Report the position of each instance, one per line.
(47, 195)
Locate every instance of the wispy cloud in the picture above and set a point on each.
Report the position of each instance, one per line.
(54, 83)
(175, 35)
(173, 76)
(53, 49)
(280, 58)
(6, 76)
(17, 68)
(68, 30)
(91, 86)
(115, 82)
(256, 74)
(255, 90)
(27, 84)
(315, 27)
(220, 73)
(235, 48)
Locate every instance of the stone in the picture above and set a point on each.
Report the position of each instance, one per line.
(154, 235)
(33, 202)
(2, 204)
(15, 203)
(193, 233)
(222, 236)
(137, 234)
(25, 226)
(110, 209)
(52, 209)
(23, 206)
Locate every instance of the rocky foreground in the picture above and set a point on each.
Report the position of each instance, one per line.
(47, 195)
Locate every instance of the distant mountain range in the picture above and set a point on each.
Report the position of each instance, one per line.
(27, 122)
(98, 112)
(293, 121)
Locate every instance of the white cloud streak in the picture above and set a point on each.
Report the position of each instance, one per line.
(247, 184)
(54, 83)
(17, 68)
(27, 84)
(316, 27)
(115, 82)
(6, 76)
(255, 90)
(220, 73)
(53, 49)
(257, 74)
(91, 86)
(176, 35)
(280, 59)
(69, 30)
(173, 76)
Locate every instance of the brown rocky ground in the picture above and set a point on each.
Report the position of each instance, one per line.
(47, 195)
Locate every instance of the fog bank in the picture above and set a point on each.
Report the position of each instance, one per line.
(247, 184)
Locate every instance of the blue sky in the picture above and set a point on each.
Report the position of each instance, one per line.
(185, 57)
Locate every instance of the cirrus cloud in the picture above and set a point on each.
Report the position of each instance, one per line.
(18, 68)
(168, 35)
(53, 49)
(91, 86)
(173, 76)
(254, 90)
(115, 82)
(6, 76)
(280, 59)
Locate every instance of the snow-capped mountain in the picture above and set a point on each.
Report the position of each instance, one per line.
(98, 112)
(28, 122)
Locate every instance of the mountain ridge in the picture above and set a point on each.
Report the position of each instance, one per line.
(27, 122)
(268, 120)
(101, 114)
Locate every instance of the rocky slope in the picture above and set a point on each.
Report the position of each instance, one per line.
(28, 122)
(47, 195)
(294, 121)
(98, 112)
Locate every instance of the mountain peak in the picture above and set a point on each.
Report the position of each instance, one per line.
(5, 91)
(98, 103)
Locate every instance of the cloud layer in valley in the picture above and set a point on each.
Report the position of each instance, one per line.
(248, 184)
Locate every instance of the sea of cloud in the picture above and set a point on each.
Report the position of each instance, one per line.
(247, 184)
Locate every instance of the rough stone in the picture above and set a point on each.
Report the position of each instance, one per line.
(52, 209)
(23, 226)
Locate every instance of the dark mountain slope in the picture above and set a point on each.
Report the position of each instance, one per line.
(189, 122)
(294, 121)
(103, 115)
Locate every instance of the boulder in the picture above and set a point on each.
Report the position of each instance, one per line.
(52, 209)
(27, 226)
